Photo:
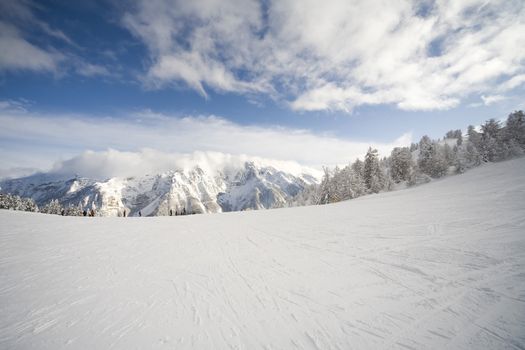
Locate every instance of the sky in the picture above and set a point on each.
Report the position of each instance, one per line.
(306, 81)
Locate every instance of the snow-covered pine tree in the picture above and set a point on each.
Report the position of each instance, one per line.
(357, 184)
(467, 157)
(336, 186)
(349, 184)
(474, 137)
(28, 204)
(491, 147)
(432, 159)
(359, 168)
(401, 164)
(325, 187)
(6, 201)
(449, 154)
(426, 152)
(53, 207)
(373, 175)
(310, 195)
(513, 134)
(14, 202)
(441, 160)
(74, 210)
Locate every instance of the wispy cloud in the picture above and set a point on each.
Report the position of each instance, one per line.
(491, 99)
(35, 140)
(19, 26)
(337, 54)
(88, 69)
(16, 53)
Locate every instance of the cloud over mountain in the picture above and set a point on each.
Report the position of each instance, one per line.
(36, 139)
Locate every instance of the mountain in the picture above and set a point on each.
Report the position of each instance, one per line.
(195, 190)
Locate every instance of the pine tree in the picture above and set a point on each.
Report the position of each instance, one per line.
(515, 129)
(468, 157)
(53, 207)
(449, 154)
(491, 147)
(474, 137)
(325, 188)
(15, 202)
(358, 168)
(401, 164)
(336, 186)
(74, 210)
(426, 152)
(441, 160)
(373, 176)
(28, 204)
(432, 158)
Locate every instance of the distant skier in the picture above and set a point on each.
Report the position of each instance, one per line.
(62, 212)
(124, 212)
(92, 213)
(171, 212)
(140, 213)
(84, 213)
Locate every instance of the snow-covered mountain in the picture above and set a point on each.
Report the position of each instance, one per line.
(251, 186)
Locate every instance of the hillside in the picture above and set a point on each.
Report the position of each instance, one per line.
(431, 267)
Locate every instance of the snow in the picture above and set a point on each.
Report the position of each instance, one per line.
(437, 266)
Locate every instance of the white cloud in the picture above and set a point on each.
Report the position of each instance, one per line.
(88, 70)
(512, 83)
(113, 163)
(17, 53)
(39, 140)
(337, 54)
(491, 99)
(13, 173)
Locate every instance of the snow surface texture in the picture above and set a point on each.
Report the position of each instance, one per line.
(196, 190)
(440, 266)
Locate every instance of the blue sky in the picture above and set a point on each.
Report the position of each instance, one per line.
(342, 74)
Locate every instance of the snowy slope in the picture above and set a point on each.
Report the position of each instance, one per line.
(432, 267)
(251, 186)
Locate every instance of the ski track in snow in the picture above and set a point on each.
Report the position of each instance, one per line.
(433, 267)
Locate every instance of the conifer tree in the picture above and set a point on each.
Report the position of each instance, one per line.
(373, 176)
(401, 164)
(53, 207)
(490, 143)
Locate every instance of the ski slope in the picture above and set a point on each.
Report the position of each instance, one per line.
(432, 267)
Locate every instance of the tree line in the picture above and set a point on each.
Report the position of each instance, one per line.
(15, 202)
(428, 159)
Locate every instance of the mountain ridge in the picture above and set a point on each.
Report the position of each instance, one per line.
(194, 191)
